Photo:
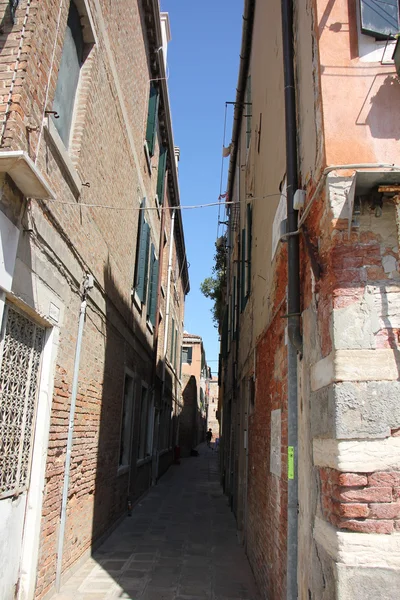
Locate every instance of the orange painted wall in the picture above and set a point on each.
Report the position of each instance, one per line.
(360, 98)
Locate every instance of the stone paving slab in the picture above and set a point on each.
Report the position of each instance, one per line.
(180, 544)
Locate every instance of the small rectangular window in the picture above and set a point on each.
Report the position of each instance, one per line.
(68, 74)
(150, 426)
(127, 422)
(152, 119)
(187, 354)
(145, 440)
(249, 226)
(172, 346)
(176, 348)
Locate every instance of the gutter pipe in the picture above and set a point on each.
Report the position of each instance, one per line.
(245, 54)
(295, 343)
(88, 284)
(156, 445)
(155, 6)
(171, 238)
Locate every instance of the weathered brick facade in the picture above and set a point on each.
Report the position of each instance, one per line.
(344, 380)
(107, 167)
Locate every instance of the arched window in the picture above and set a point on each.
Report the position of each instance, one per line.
(68, 74)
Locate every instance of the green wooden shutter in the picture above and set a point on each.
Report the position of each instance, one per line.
(162, 165)
(243, 296)
(152, 305)
(152, 119)
(249, 234)
(379, 18)
(143, 262)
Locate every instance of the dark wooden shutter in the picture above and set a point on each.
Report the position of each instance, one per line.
(189, 355)
(379, 18)
(249, 233)
(152, 120)
(152, 305)
(243, 296)
(162, 165)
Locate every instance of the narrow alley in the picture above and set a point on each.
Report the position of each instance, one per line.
(179, 544)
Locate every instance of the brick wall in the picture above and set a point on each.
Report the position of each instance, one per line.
(267, 492)
(188, 416)
(363, 502)
(65, 241)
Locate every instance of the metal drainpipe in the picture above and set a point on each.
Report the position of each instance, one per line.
(156, 444)
(88, 284)
(293, 296)
(171, 239)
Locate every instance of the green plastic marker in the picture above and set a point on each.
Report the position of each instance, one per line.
(290, 462)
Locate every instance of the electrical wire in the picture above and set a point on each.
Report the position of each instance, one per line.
(222, 170)
(53, 54)
(157, 208)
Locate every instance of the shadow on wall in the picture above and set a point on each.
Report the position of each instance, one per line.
(130, 406)
(117, 407)
(192, 424)
(382, 96)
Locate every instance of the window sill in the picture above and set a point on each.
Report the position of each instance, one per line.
(148, 157)
(150, 327)
(143, 461)
(162, 452)
(122, 470)
(62, 153)
(158, 207)
(136, 301)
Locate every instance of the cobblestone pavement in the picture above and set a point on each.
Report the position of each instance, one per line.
(179, 544)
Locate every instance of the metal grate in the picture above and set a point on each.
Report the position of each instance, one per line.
(21, 351)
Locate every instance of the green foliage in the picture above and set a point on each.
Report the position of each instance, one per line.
(212, 287)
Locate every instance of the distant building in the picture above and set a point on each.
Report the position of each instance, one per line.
(192, 420)
(212, 410)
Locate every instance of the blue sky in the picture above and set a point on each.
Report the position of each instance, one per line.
(203, 62)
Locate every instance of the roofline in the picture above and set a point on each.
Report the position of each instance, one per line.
(245, 54)
(160, 71)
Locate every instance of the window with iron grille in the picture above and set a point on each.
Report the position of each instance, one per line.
(20, 357)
